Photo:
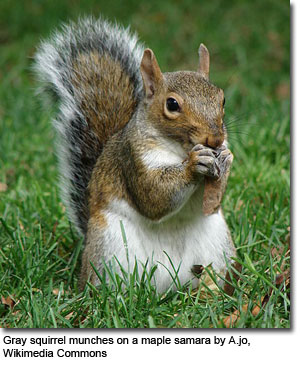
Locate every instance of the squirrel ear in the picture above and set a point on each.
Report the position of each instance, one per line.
(203, 68)
(151, 73)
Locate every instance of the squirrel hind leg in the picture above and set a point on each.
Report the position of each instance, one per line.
(93, 250)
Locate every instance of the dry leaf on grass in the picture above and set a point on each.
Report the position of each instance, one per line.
(229, 321)
(68, 316)
(205, 279)
(236, 269)
(56, 291)
(282, 279)
(8, 301)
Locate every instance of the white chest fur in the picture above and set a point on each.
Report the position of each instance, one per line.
(185, 240)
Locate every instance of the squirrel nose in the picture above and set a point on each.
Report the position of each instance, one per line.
(213, 141)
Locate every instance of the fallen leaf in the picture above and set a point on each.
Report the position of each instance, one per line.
(282, 277)
(56, 291)
(68, 316)
(8, 301)
(255, 310)
(282, 280)
(206, 279)
(236, 269)
(280, 257)
(230, 320)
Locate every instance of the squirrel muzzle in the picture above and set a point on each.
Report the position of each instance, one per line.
(210, 140)
(213, 141)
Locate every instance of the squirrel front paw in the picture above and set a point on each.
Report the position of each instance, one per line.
(225, 159)
(203, 160)
(210, 162)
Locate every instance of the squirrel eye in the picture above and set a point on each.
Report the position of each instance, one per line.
(224, 102)
(172, 105)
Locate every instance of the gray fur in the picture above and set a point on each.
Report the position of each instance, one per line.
(53, 65)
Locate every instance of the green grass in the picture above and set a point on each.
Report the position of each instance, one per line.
(39, 249)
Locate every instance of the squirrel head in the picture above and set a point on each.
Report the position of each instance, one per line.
(184, 105)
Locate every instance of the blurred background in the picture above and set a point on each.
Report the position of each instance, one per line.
(248, 41)
(245, 37)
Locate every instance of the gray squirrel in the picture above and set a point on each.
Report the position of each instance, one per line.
(141, 147)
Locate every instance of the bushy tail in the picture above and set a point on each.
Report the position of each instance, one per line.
(93, 69)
